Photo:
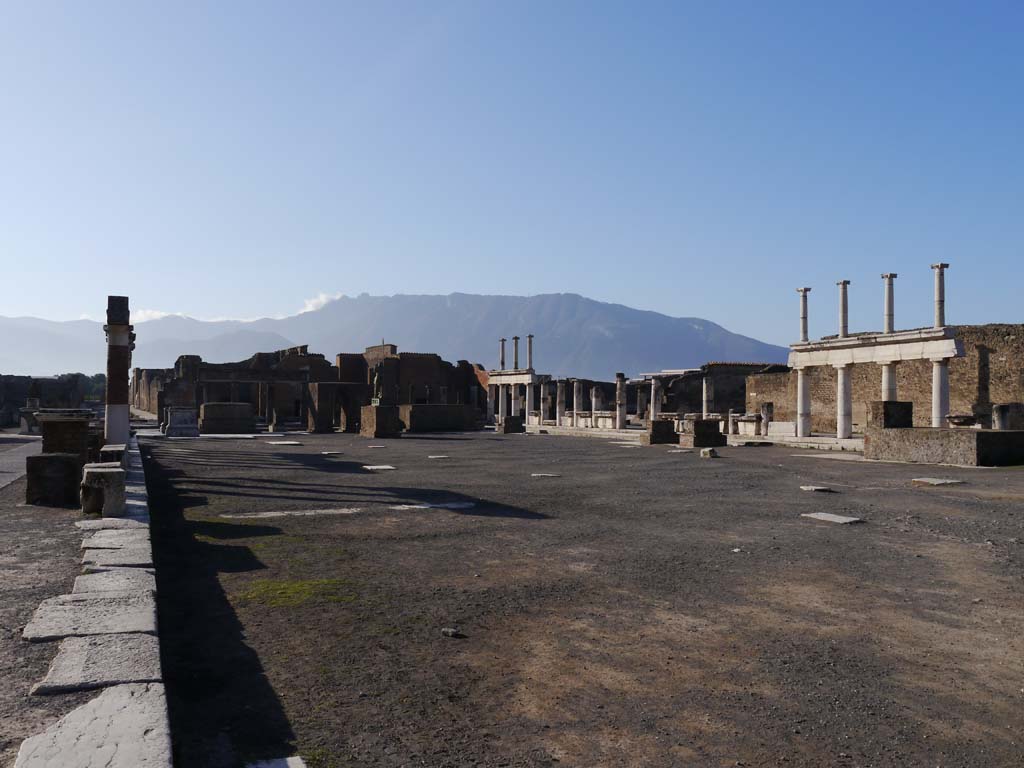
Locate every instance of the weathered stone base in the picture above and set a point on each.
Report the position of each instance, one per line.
(83, 663)
(380, 421)
(927, 445)
(439, 418)
(660, 432)
(227, 419)
(53, 479)
(703, 433)
(512, 425)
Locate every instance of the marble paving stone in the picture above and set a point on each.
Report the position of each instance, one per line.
(293, 513)
(118, 539)
(816, 488)
(125, 726)
(109, 523)
(681, 450)
(828, 517)
(330, 453)
(377, 467)
(116, 580)
(126, 556)
(935, 481)
(92, 613)
(283, 442)
(544, 474)
(444, 505)
(438, 457)
(83, 663)
(280, 762)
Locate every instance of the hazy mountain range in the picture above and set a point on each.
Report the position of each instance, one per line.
(573, 335)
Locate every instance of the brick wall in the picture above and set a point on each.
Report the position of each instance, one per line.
(991, 371)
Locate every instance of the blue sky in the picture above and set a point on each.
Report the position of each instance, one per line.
(704, 159)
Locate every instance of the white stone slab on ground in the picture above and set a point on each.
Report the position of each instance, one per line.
(329, 453)
(116, 580)
(283, 442)
(280, 762)
(816, 488)
(443, 505)
(92, 613)
(438, 457)
(125, 726)
(544, 474)
(377, 467)
(935, 481)
(109, 524)
(293, 513)
(828, 517)
(138, 557)
(681, 450)
(83, 663)
(117, 539)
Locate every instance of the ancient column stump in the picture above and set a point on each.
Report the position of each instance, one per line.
(380, 421)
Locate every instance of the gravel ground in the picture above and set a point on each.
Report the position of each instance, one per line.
(643, 608)
(39, 558)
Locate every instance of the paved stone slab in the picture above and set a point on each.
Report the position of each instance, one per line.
(283, 442)
(92, 613)
(83, 663)
(126, 556)
(816, 488)
(109, 523)
(377, 467)
(438, 457)
(681, 450)
(544, 474)
(376, 446)
(935, 481)
(330, 453)
(124, 727)
(444, 505)
(708, 453)
(281, 762)
(117, 539)
(116, 580)
(294, 513)
(828, 517)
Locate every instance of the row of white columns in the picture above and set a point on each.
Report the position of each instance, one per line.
(844, 394)
(515, 353)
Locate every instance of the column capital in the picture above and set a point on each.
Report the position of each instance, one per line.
(889, 275)
(841, 366)
(843, 282)
(940, 265)
(803, 290)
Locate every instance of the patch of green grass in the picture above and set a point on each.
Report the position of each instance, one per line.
(286, 593)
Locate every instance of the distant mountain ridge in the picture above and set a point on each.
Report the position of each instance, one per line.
(573, 335)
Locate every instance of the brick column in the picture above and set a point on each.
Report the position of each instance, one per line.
(120, 341)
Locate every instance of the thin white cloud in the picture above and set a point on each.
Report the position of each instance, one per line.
(142, 315)
(315, 303)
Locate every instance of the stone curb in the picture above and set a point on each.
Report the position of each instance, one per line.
(109, 629)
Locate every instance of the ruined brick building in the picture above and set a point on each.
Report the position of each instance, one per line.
(296, 387)
(65, 391)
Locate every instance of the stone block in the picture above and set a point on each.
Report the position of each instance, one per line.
(705, 434)
(928, 445)
(660, 432)
(380, 421)
(53, 479)
(93, 613)
(65, 433)
(512, 425)
(103, 490)
(227, 419)
(891, 414)
(182, 422)
(84, 663)
(112, 454)
(438, 417)
(116, 580)
(126, 726)
(1008, 416)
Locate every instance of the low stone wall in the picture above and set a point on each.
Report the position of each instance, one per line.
(964, 447)
(438, 418)
(227, 419)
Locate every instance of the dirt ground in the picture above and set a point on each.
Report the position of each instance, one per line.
(643, 608)
(39, 558)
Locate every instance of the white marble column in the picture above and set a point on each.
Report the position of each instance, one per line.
(560, 403)
(577, 403)
(888, 311)
(803, 312)
(655, 398)
(889, 381)
(529, 351)
(620, 401)
(502, 402)
(844, 403)
(490, 403)
(515, 353)
(529, 404)
(940, 392)
(940, 294)
(515, 399)
(596, 404)
(844, 309)
(707, 392)
(501, 354)
(803, 404)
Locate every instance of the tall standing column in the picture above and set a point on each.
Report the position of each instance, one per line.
(844, 403)
(803, 312)
(888, 316)
(940, 294)
(844, 310)
(803, 404)
(529, 351)
(577, 403)
(502, 402)
(560, 403)
(641, 401)
(596, 404)
(940, 392)
(515, 353)
(889, 381)
(707, 393)
(529, 404)
(501, 354)
(490, 403)
(120, 341)
(515, 399)
(620, 401)
(655, 398)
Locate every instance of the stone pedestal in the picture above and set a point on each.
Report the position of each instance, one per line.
(182, 422)
(227, 418)
(65, 433)
(705, 434)
(660, 432)
(103, 490)
(380, 421)
(53, 479)
(1008, 416)
(891, 414)
(511, 425)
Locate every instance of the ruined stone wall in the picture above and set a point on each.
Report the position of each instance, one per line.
(991, 371)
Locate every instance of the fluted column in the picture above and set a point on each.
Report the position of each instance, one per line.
(560, 403)
(803, 404)
(515, 353)
(515, 399)
(502, 402)
(940, 392)
(707, 392)
(620, 401)
(803, 312)
(844, 309)
(844, 403)
(940, 294)
(577, 402)
(529, 403)
(889, 381)
(888, 312)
